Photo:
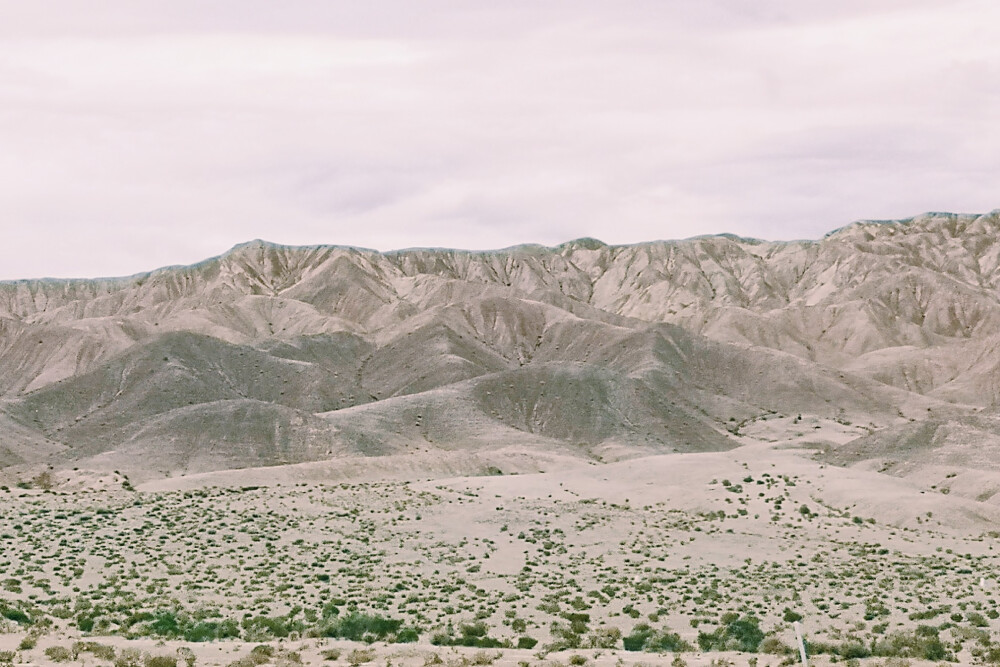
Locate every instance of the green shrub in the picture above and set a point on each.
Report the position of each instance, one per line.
(102, 651)
(791, 616)
(407, 636)
(14, 614)
(129, 657)
(361, 627)
(853, 649)
(278, 627)
(976, 619)
(161, 661)
(359, 656)
(604, 638)
(735, 634)
(923, 642)
(636, 640)
(59, 654)
(668, 641)
(165, 624)
(526, 642)
(772, 645)
(187, 655)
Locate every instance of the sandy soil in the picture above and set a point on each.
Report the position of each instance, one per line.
(673, 541)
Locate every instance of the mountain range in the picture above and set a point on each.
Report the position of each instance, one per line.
(516, 360)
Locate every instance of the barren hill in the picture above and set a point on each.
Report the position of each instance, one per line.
(515, 358)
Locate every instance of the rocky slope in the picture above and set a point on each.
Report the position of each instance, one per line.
(588, 352)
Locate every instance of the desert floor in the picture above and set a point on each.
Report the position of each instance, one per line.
(569, 558)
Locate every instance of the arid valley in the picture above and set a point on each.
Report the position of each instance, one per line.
(663, 453)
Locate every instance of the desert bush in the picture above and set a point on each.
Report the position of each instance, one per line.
(407, 636)
(976, 619)
(129, 657)
(483, 658)
(897, 662)
(14, 614)
(245, 661)
(7, 657)
(604, 638)
(187, 655)
(102, 651)
(790, 616)
(204, 631)
(330, 654)
(360, 656)
(526, 642)
(636, 640)
(363, 627)
(577, 660)
(278, 627)
(774, 646)
(160, 661)
(59, 654)
(923, 642)
(261, 653)
(853, 649)
(735, 634)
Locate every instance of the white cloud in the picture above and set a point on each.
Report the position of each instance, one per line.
(149, 134)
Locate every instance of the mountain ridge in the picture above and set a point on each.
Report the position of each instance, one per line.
(674, 344)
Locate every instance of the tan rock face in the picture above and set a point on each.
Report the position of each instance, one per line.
(273, 354)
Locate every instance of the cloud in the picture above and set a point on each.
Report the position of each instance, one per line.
(141, 135)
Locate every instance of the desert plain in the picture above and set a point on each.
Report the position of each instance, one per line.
(585, 455)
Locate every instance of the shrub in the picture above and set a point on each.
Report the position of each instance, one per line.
(790, 616)
(361, 627)
(604, 638)
(13, 614)
(161, 661)
(483, 658)
(853, 649)
(774, 646)
(129, 657)
(407, 636)
(923, 642)
(59, 654)
(7, 657)
(359, 656)
(187, 655)
(636, 640)
(261, 653)
(735, 634)
(526, 642)
(331, 654)
(670, 642)
(102, 651)
(165, 624)
(976, 619)
(279, 627)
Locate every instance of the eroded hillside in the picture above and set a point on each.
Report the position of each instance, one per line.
(583, 352)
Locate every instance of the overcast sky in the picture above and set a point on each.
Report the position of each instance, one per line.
(137, 134)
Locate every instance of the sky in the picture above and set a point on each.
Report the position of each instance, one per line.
(139, 134)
